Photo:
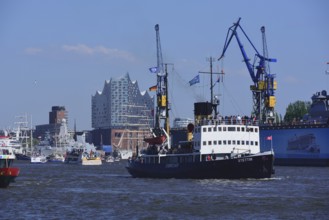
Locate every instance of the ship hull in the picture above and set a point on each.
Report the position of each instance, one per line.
(7, 175)
(297, 145)
(256, 166)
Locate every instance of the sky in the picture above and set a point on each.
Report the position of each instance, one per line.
(59, 53)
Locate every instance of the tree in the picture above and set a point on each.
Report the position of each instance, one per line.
(295, 111)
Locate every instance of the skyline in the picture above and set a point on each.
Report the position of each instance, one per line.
(59, 53)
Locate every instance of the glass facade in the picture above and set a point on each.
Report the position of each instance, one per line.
(122, 105)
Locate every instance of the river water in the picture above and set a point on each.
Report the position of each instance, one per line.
(58, 191)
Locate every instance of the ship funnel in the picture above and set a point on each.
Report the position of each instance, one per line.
(202, 111)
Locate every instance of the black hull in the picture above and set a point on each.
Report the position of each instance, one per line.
(22, 157)
(257, 166)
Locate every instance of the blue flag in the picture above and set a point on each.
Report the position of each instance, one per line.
(153, 69)
(194, 80)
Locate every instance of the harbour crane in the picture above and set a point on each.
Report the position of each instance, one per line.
(162, 109)
(264, 84)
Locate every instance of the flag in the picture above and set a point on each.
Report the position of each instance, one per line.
(269, 138)
(194, 80)
(153, 88)
(153, 69)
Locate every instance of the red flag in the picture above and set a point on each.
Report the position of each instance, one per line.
(153, 88)
(269, 138)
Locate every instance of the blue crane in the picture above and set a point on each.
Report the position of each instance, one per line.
(264, 84)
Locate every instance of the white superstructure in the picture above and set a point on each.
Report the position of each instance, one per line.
(213, 137)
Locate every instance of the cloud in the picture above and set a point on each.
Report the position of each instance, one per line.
(33, 50)
(98, 50)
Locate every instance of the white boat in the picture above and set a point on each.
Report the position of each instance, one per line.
(37, 159)
(56, 158)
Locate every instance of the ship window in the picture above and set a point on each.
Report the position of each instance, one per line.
(219, 128)
(251, 129)
(238, 128)
(209, 142)
(247, 142)
(231, 128)
(242, 142)
(238, 142)
(224, 128)
(215, 142)
(204, 143)
(251, 143)
(215, 128)
(224, 142)
(256, 143)
(229, 142)
(242, 129)
(209, 129)
(256, 130)
(204, 129)
(233, 142)
(220, 142)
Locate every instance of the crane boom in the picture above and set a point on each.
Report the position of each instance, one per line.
(162, 110)
(264, 83)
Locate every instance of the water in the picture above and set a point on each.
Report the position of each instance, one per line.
(58, 191)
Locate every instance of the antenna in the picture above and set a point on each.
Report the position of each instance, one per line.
(214, 105)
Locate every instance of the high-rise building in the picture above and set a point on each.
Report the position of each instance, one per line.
(56, 117)
(57, 114)
(120, 106)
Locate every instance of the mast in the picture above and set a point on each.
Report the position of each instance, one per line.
(213, 104)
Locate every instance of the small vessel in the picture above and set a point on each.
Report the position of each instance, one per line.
(216, 148)
(38, 158)
(56, 158)
(8, 173)
(85, 156)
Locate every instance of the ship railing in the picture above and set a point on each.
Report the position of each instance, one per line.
(302, 122)
(228, 121)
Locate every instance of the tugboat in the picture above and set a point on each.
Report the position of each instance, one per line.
(217, 148)
(7, 173)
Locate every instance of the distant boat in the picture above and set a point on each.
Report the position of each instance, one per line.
(56, 158)
(84, 156)
(8, 173)
(38, 159)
